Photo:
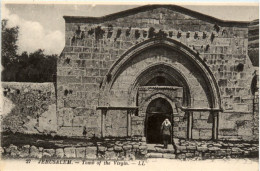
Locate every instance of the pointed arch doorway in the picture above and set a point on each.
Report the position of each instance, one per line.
(157, 111)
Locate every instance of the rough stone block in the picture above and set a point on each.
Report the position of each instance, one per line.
(12, 150)
(135, 146)
(202, 149)
(118, 148)
(221, 153)
(101, 149)
(191, 148)
(48, 153)
(155, 155)
(181, 156)
(181, 148)
(195, 134)
(59, 153)
(143, 147)
(91, 152)
(81, 152)
(35, 153)
(201, 124)
(188, 155)
(169, 156)
(213, 148)
(176, 141)
(111, 155)
(127, 147)
(25, 151)
(70, 152)
(206, 134)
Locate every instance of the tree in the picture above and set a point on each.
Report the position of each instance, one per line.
(33, 67)
(9, 43)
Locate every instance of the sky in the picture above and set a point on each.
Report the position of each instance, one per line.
(41, 26)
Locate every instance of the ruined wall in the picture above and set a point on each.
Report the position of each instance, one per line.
(92, 47)
(28, 108)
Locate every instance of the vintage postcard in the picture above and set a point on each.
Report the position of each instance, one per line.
(165, 86)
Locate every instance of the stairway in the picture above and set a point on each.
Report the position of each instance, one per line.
(157, 151)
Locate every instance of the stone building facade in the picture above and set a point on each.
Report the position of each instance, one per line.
(121, 75)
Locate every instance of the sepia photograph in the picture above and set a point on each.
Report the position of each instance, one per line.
(151, 86)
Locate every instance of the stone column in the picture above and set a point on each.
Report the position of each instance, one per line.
(190, 120)
(215, 125)
(103, 116)
(129, 121)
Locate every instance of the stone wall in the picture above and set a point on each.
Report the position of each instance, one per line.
(211, 150)
(110, 149)
(94, 45)
(202, 125)
(28, 107)
(116, 123)
(132, 149)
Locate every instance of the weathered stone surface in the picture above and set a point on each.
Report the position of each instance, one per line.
(91, 152)
(213, 148)
(181, 156)
(18, 102)
(236, 149)
(35, 153)
(191, 147)
(135, 146)
(118, 148)
(101, 149)
(127, 147)
(13, 150)
(143, 152)
(143, 147)
(48, 153)
(143, 139)
(155, 155)
(169, 156)
(130, 156)
(111, 155)
(181, 148)
(2, 150)
(221, 153)
(70, 152)
(59, 153)
(25, 150)
(81, 152)
(176, 141)
(189, 155)
(202, 149)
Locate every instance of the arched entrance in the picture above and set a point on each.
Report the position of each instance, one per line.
(158, 110)
(159, 66)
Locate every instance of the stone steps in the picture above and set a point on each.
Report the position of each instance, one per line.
(157, 151)
(161, 155)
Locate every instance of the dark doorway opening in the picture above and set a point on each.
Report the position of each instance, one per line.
(158, 110)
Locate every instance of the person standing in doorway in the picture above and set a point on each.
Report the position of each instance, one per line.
(166, 132)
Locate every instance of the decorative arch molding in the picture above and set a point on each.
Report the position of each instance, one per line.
(118, 66)
(143, 106)
(168, 71)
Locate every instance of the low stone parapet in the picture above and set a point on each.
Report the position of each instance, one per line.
(133, 149)
(211, 149)
(119, 150)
